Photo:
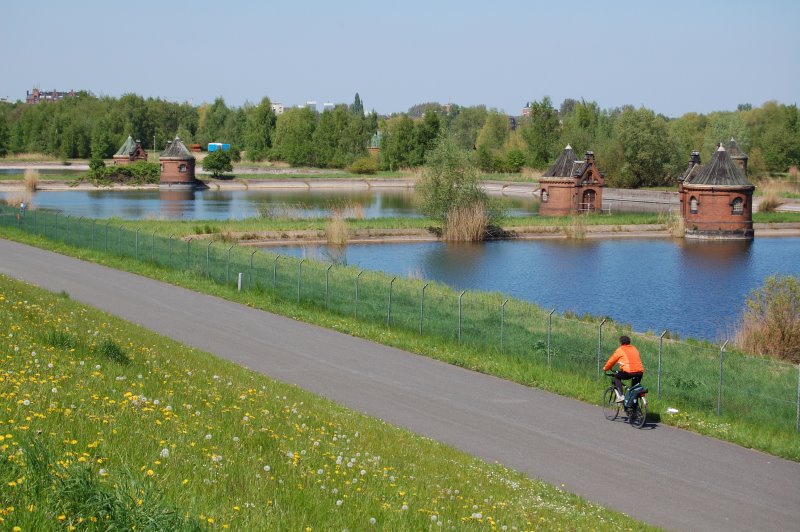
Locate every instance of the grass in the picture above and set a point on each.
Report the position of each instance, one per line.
(176, 439)
(758, 396)
(466, 223)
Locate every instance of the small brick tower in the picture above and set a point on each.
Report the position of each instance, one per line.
(571, 186)
(716, 198)
(177, 166)
(130, 152)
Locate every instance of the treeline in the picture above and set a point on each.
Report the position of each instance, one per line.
(634, 147)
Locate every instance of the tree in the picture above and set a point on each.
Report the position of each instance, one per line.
(465, 126)
(294, 132)
(541, 133)
(258, 130)
(426, 135)
(397, 143)
(357, 108)
(650, 154)
(4, 135)
(217, 162)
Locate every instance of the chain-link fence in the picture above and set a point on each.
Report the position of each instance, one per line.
(695, 375)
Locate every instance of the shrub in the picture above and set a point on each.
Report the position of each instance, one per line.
(336, 230)
(466, 223)
(515, 160)
(770, 324)
(95, 163)
(364, 165)
(217, 162)
(31, 179)
(138, 173)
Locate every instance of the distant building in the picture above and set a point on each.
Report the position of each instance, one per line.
(374, 147)
(37, 96)
(716, 198)
(277, 108)
(311, 104)
(571, 185)
(177, 166)
(526, 111)
(327, 106)
(129, 152)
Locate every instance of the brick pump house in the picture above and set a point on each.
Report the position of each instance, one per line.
(571, 186)
(716, 198)
(177, 166)
(130, 152)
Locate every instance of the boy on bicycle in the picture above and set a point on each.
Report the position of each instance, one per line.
(630, 365)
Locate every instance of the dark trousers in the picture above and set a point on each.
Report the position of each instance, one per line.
(620, 376)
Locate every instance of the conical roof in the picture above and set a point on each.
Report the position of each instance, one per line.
(127, 149)
(563, 165)
(734, 151)
(176, 150)
(720, 171)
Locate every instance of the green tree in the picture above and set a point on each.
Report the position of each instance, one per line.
(357, 108)
(397, 144)
(259, 129)
(466, 125)
(294, 133)
(650, 154)
(4, 134)
(426, 136)
(217, 162)
(541, 133)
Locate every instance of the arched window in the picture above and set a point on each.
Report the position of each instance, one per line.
(737, 206)
(182, 168)
(544, 195)
(693, 205)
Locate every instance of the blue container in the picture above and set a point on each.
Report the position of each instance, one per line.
(214, 146)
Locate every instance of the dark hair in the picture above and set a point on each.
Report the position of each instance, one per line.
(624, 340)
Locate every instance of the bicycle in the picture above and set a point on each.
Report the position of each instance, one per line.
(636, 409)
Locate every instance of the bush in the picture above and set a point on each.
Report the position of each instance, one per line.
(515, 160)
(95, 163)
(138, 173)
(770, 324)
(364, 165)
(217, 162)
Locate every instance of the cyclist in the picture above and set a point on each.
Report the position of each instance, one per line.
(630, 365)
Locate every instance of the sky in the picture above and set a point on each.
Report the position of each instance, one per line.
(671, 56)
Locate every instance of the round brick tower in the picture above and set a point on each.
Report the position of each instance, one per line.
(571, 186)
(177, 166)
(716, 199)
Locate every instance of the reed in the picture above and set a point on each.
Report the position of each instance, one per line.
(31, 179)
(770, 324)
(466, 223)
(576, 228)
(336, 230)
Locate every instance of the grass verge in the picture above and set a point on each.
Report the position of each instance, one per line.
(109, 426)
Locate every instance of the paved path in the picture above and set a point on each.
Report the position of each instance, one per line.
(664, 476)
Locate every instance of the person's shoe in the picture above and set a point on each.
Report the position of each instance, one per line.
(620, 397)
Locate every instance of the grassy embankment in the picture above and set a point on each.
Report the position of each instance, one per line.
(758, 397)
(106, 426)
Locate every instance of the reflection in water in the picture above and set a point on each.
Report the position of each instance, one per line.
(175, 202)
(696, 289)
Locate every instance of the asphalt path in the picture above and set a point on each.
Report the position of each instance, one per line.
(664, 476)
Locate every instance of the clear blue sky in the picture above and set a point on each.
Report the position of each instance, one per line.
(670, 56)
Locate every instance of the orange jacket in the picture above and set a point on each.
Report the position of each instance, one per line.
(628, 358)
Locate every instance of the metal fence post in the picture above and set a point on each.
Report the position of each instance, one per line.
(94, 222)
(660, 350)
(299, 277)
(55, 223)
(34, 222)
(422, 307)
(189, 253)
(549, 335)
(459, 313)
(228, 267)
(136, 253)
(169, 249)
(208, 251)
(107, 224)
(389, 311)
(250, 271)
(275, 271)
(719, 391)
(358, 278)
(119, 241)
(599, 345)
(153, 248)
(327, 283)
(502, 322)
(76, 242)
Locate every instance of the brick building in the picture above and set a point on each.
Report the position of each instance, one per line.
(571, 185)
(177, 166)
(129, 152)
(716, 199)
(37, 96)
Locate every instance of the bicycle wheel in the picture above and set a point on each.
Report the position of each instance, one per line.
(610, 404)
(639, 413)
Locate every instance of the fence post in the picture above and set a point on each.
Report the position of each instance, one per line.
(34, 222)
(459, 314)
(208, 251)
(389, 312)
(107, 224)
(239, 283)
(422, 307)
(153, 248)
(719, 391)
(502, 322)
(275, 271)
(94, 222)
(55, 223)
(299, 277)
(549, 335)
(136, 253)
(358, 278)
(327, 284)
(228, 267)
(660, 350)
(599, 345)
(119, 241)
(188, 253)
(250, 271)
(76, 242)
(169, 249)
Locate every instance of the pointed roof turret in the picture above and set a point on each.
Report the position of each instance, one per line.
(176, 150)
(563, 166)
(127, 149)
(721, 170)
(734, 150)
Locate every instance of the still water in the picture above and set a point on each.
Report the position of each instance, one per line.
(237, 204)
(697, 289)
